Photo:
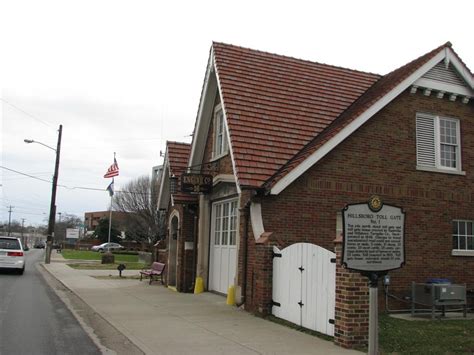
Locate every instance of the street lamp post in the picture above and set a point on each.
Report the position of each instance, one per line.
(52, 209)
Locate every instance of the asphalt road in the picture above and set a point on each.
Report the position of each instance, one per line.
(33, 320)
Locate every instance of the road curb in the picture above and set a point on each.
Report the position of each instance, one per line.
(136, 342)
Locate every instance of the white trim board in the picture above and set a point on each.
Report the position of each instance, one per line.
(200, 133)
(359, 121)
(256, 219)
(164, 185)
(226, 126)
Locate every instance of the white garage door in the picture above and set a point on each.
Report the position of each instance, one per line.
(223, 245)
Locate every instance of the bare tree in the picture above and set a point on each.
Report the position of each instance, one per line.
(67, 221)
(139, 198)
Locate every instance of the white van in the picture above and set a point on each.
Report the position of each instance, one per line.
(12, 255)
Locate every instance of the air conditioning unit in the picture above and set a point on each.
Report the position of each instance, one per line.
(438, 294)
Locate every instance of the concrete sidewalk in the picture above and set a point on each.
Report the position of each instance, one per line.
(161, 321)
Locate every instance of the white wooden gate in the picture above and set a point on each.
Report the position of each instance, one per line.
(304, 286)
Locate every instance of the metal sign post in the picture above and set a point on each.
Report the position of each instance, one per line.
(374, 243)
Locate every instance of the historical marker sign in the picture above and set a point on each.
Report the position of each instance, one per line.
(196, 183)
(373, 237)
(72, 233)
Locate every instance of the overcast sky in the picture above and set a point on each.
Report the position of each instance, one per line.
(125, 76)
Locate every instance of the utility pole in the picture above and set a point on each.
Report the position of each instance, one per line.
(52, 210)
(58, 235)
(10, 220)
(22, 236)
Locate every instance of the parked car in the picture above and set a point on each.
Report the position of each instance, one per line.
(11, 254)
(39, 244)
(107, 246)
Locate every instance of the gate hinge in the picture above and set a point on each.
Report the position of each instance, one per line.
(301, 303)
(331, 321)
(276, 255)
(274, 303)
(333, 260)
(301, 268)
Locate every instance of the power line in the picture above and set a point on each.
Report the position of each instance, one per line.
(74, 187)
(26, 113)
(24, 174)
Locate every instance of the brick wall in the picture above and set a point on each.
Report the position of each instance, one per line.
(185, 266)
(379, 158)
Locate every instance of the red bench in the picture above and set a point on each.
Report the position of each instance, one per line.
(156, 270)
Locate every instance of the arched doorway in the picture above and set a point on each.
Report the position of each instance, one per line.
(173, 251)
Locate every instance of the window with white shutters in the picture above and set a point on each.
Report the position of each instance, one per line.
(438, 143)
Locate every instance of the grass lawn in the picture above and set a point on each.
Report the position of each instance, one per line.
(93, 255)
(425, 337)
(98, 266)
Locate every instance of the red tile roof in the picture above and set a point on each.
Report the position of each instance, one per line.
(178, 156)
(276, 105)
(372, 95)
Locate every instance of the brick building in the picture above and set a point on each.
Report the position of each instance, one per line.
(92, 219)
(289, 143)
(180, 211)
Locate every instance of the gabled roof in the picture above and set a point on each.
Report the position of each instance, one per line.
(376, 97)
(175, 163)
(178, 155)
(284, 114)
(274, 105)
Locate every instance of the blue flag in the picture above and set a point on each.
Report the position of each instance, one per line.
(110, 188)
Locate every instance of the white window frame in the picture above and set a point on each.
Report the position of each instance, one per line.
(465, 251)
(437, 148)
(219, 149)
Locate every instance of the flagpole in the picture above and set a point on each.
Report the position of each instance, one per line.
(111, 172)
(110, 218)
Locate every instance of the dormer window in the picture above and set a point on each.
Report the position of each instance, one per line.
(220, 136)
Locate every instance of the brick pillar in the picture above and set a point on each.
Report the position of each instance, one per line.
(351, 329)
(263, 276)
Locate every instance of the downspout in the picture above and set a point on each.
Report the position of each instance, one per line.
(246, 210)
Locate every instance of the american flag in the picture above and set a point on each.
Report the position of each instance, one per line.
(113, 170)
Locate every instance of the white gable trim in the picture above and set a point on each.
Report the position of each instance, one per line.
(443, 87)
(202, 122)
(358, 122)
(223, 178)
(164, 195)
(460, 67)
(229, 145)
(200, 134)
